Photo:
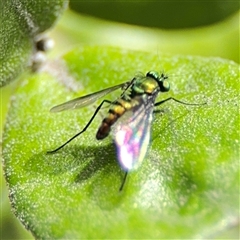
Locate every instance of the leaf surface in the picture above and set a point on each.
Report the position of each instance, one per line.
(187, 186)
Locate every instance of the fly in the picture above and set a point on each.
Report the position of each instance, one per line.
(131, 113)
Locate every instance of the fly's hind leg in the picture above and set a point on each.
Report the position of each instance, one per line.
(84, 129)
(123, 181)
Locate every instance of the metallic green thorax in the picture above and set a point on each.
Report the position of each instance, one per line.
(151, 83)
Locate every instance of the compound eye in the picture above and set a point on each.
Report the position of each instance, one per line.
(165, 87)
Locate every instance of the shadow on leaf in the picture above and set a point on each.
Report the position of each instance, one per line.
(80, 163)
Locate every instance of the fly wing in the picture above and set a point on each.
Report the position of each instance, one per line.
(132, 135)
(87, 99)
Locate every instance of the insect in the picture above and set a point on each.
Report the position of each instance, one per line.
(131, 114)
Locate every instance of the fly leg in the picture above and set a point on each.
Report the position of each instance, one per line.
(176, 100)
(123, 181)
(84, 129)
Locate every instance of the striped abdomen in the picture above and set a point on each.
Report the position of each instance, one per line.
(118, 109)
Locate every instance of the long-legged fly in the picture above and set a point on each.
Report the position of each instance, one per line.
(131, 114)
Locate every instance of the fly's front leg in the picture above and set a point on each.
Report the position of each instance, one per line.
(84, 129)
(176, 100)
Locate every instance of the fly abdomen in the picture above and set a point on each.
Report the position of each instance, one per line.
(113, 115)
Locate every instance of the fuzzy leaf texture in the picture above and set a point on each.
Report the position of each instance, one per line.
(187, 185)
(21, 23)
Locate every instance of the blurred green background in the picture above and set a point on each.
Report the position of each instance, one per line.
(159, 14)
(175, 17)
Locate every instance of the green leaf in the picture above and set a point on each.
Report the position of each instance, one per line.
(159, 14)
(21, 22)
(188, 41)
(187, 186)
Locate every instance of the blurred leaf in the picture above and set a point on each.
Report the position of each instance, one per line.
(159, 14)
(205, 41)
(187, 186)
(10, 226)
(21, 22)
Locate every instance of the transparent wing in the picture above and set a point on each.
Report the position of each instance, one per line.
(87, 99)
(132, 135)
